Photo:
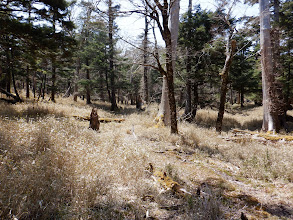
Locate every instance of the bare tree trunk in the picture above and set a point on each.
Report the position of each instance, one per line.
(18, 99)
(277, 69)
(169, 33)
(145, 61)
(34, 84)
(53, 89)
(27, 79)
(187, 112)
(224, 85)
(75, 94)
(8, 73)
(269, 112)
(164, 109)
(111, 46)
(88, 92)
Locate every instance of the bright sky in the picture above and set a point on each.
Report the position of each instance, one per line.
(133, 26)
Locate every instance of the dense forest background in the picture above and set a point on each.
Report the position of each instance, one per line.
(70, 48)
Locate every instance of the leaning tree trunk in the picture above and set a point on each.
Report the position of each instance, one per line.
(270, 115)
(224, 87)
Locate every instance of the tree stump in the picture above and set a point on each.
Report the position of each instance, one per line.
(94, 120)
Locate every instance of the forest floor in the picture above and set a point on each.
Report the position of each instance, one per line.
(53, 167)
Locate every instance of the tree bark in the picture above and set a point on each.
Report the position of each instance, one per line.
(27, 79)
(88, 92)
(111, 56)
(270, 115)
(75, 94)
(145, 61)
(187, 112)
(164, 110)
(224, 87)
(53, 89)
(277, 69)
(8, 73)
(169, 32)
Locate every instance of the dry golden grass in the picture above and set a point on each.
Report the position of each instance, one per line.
(53, 167)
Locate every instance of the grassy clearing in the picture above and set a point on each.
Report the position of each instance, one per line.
(53, 167)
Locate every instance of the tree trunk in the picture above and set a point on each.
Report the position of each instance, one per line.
(27, 79)
(270, 116)
(164, 109)
(8, 74)
(111, 57)
(18, 99)
(88, 92)
(195, 101)
(44, 86)
(53, 89)
(76, 77)
(145, 62)
(34, 84)
(187, 112)
(231, 95)
(242, 97)
(170, 35)
(224, 87)
(277, 69)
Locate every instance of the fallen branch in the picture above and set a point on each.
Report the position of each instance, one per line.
(102, 120)
(166, 182)
(16, 98)
(267, 136)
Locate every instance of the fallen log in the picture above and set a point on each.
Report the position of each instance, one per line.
(15, 97)
(102, 120)
(166, 182)
(268, 136)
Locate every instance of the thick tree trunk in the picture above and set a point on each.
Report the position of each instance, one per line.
(224, 85)
(270, 115)
(277, 70)
(170, 35)
(164, 113)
